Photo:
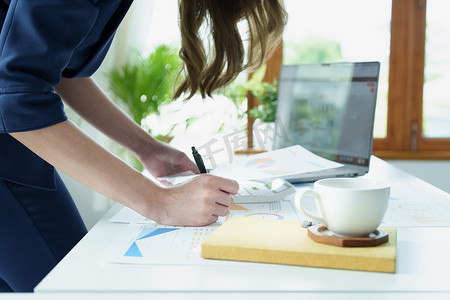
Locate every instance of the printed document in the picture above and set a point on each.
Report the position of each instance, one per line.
(282, 163)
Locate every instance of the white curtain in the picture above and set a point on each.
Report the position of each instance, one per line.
(130, 37)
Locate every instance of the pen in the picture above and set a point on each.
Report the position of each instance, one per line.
(198, 160)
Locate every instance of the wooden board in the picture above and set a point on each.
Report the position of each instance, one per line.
(323, 235)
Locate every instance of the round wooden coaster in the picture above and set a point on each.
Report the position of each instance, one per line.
(322, 234)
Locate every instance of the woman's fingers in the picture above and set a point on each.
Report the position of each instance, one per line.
(199, 201)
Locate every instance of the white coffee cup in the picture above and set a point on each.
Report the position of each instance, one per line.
(351, 207)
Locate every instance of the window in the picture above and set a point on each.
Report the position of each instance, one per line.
(415, 105)
(436, 88)
(351, 30)
(411, 40)
(413, 109)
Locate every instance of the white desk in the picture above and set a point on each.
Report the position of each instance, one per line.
(423, 264)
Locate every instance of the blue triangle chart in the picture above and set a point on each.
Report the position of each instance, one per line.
(149, 232)
(134, 250)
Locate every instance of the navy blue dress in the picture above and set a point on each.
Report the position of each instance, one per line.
(40, 42)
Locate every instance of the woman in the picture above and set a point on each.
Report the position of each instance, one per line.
(48, 50)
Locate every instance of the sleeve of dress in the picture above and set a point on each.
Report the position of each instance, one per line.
(37, 40)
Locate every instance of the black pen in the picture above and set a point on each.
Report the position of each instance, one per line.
(198, 160)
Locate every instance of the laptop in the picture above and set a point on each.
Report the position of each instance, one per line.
(329, 109)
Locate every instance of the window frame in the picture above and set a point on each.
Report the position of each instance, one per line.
(404, 139)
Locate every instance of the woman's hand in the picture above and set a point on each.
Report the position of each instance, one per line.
(163, 160)
(197, 202)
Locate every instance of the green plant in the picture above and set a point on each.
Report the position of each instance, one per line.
(146, 83)
(143, 86)
(267, 94)
(264, 91)
(237, 90)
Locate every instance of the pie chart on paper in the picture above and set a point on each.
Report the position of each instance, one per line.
(259, 163)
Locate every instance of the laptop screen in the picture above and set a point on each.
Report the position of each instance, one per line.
(328, 109)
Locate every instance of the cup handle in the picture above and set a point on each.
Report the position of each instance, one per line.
(300, 196)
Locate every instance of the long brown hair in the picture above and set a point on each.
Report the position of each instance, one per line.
(207, 71)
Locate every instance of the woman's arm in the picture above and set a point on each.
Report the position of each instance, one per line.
(195, 203)
(88, 100)
(66, 147)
